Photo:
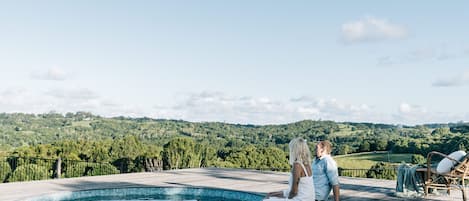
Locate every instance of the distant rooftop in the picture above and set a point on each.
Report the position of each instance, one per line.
(352, 189)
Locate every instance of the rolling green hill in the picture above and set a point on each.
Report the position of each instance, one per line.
(84, 136)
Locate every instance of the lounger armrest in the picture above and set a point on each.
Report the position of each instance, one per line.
(429, 159)
(429, 156)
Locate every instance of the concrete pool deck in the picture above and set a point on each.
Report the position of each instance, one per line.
(352, 189)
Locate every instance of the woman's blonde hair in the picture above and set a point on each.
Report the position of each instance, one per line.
(299, 151)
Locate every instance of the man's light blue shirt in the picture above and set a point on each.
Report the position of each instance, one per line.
(325, 175)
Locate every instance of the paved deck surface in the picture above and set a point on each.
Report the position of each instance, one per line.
(352, 189)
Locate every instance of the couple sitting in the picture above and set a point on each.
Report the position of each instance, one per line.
(306, 183)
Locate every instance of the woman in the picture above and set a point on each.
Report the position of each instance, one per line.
(301, 187)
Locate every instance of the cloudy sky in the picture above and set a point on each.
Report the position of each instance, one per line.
(249, 62)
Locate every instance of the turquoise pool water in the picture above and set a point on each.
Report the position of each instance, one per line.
(152, 194)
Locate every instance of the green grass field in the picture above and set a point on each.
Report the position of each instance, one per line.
(366, 160)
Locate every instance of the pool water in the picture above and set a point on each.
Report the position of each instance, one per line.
(153, 194)
(154, 198)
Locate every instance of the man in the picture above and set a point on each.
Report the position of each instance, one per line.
(325, 173)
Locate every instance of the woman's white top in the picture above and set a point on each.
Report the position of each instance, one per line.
(305, 188)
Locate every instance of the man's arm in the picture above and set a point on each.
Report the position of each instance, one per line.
(333, 176)
(336, 191)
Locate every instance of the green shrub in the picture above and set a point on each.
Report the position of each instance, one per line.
(418, 159)
(224, 164)
(5, 171)
(89, 169)
(74, 170)
(30, 172)
(102, 169)
(126, 165)
(19, 161)
(381, 170)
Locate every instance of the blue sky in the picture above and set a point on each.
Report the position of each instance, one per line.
(249, 62)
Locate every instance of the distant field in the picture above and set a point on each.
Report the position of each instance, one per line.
(366, 160)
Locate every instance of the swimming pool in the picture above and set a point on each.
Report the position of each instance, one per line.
(152, 194)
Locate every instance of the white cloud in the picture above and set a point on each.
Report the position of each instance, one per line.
(308, 111)
(73, 94)
(23, 100)
(415, 114)
(411, 113)
(11, 92)
(217, 106)
(438, 53)
(59, 100)
(405, 108)
(459, 80)
(51, 74)
(372, 29)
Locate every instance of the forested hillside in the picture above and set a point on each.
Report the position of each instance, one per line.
(87, 137)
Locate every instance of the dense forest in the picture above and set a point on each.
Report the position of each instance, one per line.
(178, 144)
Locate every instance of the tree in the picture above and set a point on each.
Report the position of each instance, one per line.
(274, 158)
(441, 131)
(125, 151)
(381, 145)
(343, 149)
(365, 146)
(208, 155)
(180, 153)
(5, 171)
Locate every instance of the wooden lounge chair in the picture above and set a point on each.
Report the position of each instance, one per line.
(454, 179)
